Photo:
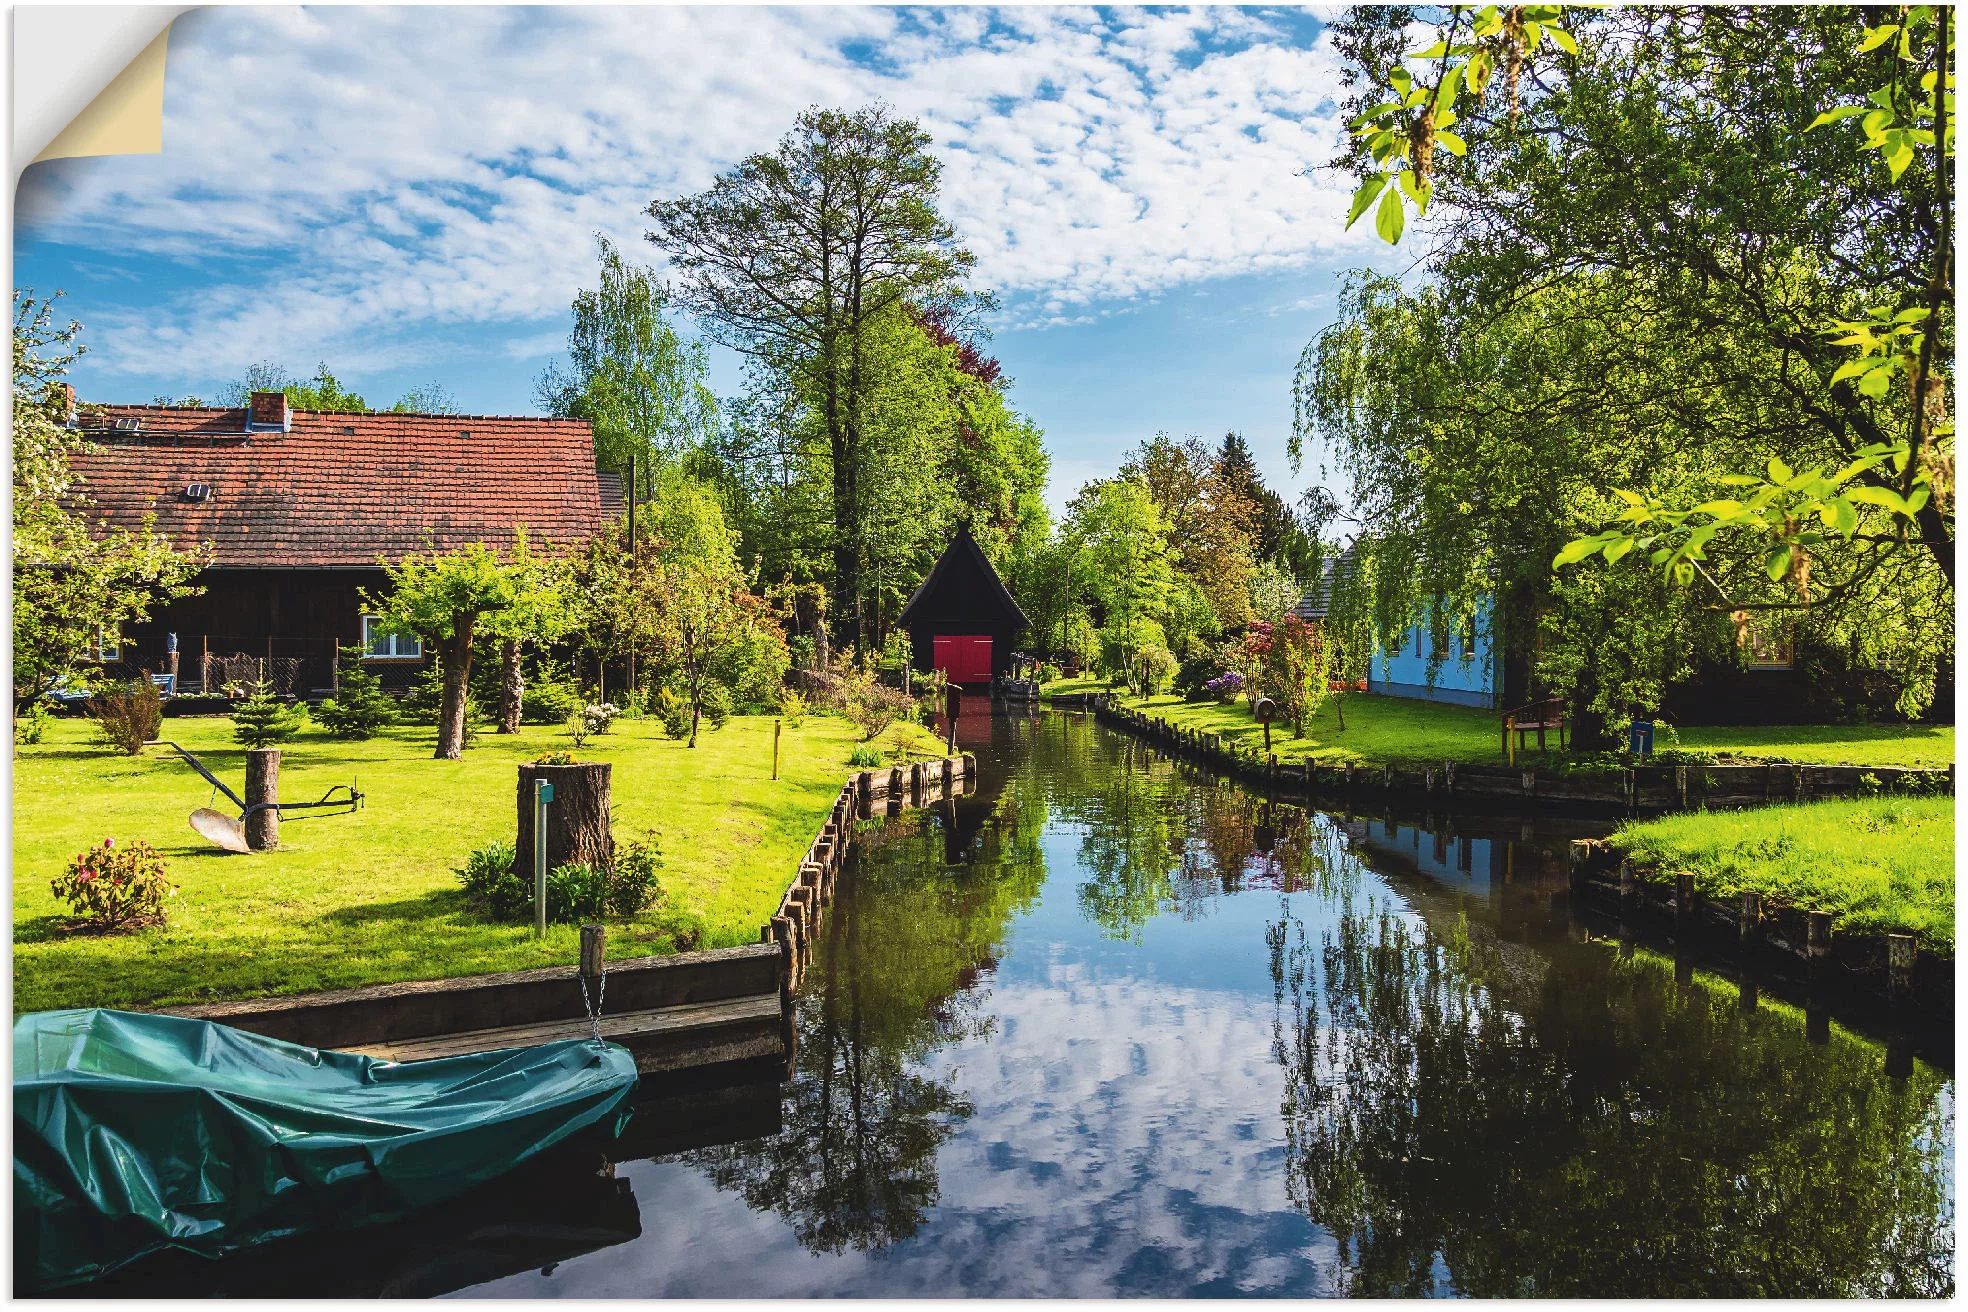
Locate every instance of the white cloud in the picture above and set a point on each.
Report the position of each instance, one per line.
(355, 183)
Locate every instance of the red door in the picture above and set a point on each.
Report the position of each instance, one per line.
(966, 658)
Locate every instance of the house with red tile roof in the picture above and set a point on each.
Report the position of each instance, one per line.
(300, 509)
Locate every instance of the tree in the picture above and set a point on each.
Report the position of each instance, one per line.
(643, 385)
(1717, 225)
(324, 393)
(359, 706)
(444, 599)
(1212, 525)
(75, 583)
(1123, 553)
(263, 720)
(793, 257)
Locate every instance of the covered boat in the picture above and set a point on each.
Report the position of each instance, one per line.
(134, 1132)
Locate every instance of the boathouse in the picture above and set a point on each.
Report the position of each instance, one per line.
(300, 508)
(962, 619)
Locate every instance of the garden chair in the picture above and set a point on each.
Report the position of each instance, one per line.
(1535, 717)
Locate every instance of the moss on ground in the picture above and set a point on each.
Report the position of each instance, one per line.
(371, 897)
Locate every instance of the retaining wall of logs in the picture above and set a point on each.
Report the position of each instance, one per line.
(796, 923)
(1897, 966)
(1633, 788)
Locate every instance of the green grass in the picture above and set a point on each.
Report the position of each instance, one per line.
(1832, 744)
(1880, 865)
(1402, 730)
(370, 897)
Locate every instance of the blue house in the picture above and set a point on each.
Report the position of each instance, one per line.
(1467, 663)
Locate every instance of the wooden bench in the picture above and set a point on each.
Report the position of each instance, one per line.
(1535, 717)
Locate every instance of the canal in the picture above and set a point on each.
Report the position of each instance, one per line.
(1110, 1026)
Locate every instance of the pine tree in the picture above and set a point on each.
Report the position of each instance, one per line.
(263, 720)
(360, 706)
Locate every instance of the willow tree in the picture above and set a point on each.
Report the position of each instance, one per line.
(793, 258)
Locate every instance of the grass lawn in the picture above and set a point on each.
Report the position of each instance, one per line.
(1879, 865)
(1400, 729)
(370, 897)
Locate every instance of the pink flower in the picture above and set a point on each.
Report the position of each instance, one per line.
(85, 876)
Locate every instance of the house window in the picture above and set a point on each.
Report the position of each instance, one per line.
(380, 646)
(1439, 628)
(109, 645)
(1469, 641)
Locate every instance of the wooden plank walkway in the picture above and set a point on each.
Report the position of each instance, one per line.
(655, 1032)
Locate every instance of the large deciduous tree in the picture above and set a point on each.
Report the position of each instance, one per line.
(795, 257)
(1125, 559)
(75, 583)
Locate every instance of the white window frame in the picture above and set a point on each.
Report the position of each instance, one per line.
(109, 646)
(400, 648)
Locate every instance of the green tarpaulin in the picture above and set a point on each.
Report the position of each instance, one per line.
(133, 1132)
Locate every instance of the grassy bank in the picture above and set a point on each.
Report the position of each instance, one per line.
(370, 897)
(1881, 865)
(1401, 730)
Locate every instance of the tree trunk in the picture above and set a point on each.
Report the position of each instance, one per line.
(1589, 732)
(577, 818)
(456, 654)
(512, 692)
(263, 786)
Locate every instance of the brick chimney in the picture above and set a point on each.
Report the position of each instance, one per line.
(267, 412)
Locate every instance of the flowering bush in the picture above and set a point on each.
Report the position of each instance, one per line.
(107, 887)
(1225, 687)
(600, 715)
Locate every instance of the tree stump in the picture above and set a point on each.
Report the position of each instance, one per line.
(577, 818)
(263, 785)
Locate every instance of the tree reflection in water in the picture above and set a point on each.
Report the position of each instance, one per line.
(854, 1166)
(1465, 1115)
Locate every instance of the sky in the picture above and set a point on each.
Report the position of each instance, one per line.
(412, 194)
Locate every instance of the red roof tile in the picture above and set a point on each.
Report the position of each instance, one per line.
(342, 490)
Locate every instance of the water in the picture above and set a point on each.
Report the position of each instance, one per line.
(1110, 1027)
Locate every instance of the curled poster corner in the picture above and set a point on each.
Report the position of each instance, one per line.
(126, 117)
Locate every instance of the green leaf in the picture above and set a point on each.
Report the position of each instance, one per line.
(1837, 115)
(1631, 498)
(1563, 40)
(1573, 552)
(1367, 116)
(1876, 37)
(1617, 549)
(1738, 480)
(1720, 509)
(1365, 196)
(1392, 217)
(1777, 563)
(1875, 383)
(1452, 143)
(1778, 471)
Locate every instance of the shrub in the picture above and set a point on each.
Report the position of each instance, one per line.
(865, 756)
(874, 706)
(550, 702)
(31, 724)
(359, 706)
(717, 704)
(128, 716)
(1157, 667)
(579, 729)
(263, 720)
(1225, 687)
(108, 887)
(576, 891)
(673, 713)
(600, 715)
(426, 699)
(492, 884)
(632, 883)
(1193, 676)
(792, 708)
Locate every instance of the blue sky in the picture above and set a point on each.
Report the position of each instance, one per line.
(410, 194)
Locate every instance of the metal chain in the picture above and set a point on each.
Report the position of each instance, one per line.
(594, 1004)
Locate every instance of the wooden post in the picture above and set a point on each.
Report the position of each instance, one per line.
(263, 786)
(1817, 938)
(1627, 883)
(205, 663)
(1684, 897)
(1900, 955)
(1581, 854)
(775, 748)
(577, 821)
(1749, 926)
(1746, 993)
(594, 946)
